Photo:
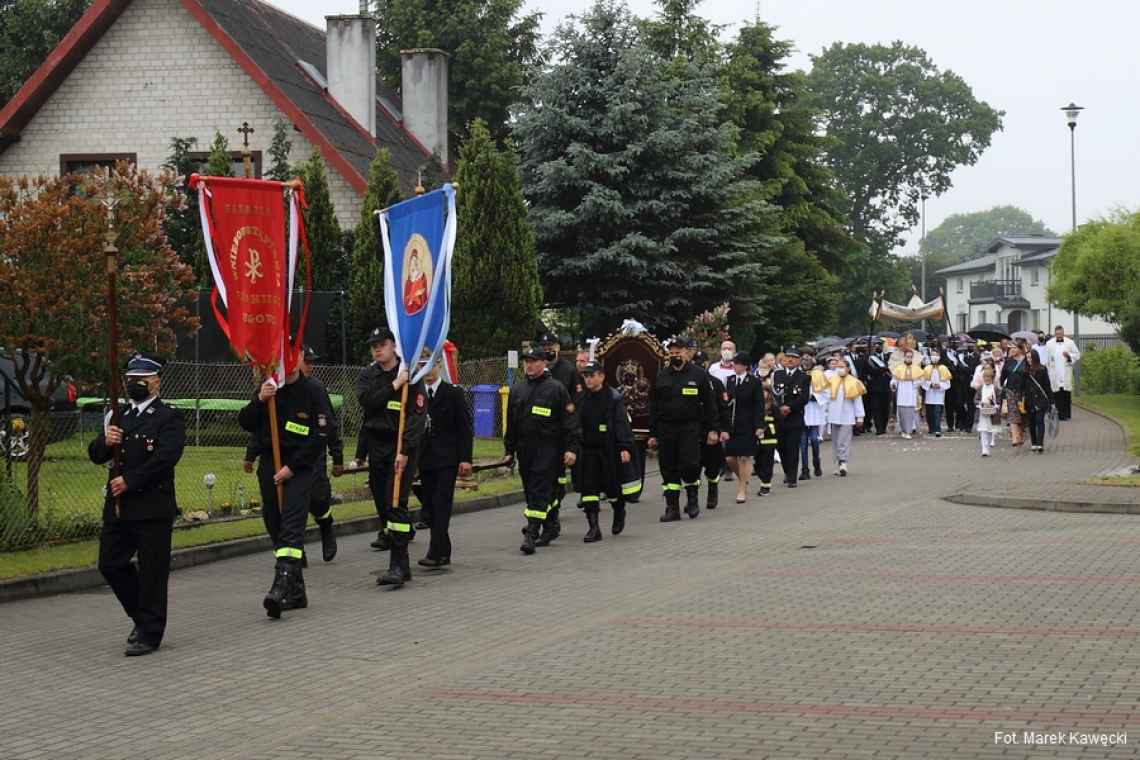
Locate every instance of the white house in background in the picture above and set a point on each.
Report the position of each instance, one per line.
(1007, 287)
(132, 74)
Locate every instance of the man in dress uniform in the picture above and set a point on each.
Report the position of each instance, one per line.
(878, 383)
(543, 433)
(683, 415)
(302, 413)
(713, 460)
(792, 388)
(379, 390)
(606, 465)
(447, 450)
(139, 507)
(320, 501)
(565, 373)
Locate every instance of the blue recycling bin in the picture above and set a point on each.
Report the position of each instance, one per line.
(486, 399)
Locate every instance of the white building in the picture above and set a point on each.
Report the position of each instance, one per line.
(133, 74)
(1007, 287)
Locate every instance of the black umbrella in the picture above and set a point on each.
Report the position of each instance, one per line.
(987, 331)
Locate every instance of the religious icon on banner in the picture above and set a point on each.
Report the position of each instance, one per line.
(417, 274)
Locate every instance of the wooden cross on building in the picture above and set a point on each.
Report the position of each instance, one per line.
(246, 157)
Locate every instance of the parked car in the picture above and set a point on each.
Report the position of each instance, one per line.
(15, 411)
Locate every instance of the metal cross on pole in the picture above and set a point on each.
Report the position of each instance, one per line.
(246, 157)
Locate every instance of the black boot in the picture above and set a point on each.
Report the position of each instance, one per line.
(713, 496)
(619, 517)
(296, 599)
(672, 507)
(530, 535)
(283, 573)
(328, 539)
(382, 542)
(594, 534)
(815, 460)
(693, 503)
(395, 575)
(551, 528)
(804, 474)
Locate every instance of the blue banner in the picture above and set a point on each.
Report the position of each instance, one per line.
(419, 238)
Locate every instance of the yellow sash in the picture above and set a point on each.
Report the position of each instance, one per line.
(943, 373)
(904, 373)
(818, 380)
(852, 388)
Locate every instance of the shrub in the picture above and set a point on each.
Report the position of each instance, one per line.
(1110, 370)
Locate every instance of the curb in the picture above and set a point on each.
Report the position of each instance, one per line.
(82, 579)
(1009, 502)
(1113, 420)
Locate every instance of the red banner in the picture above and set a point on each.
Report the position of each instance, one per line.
(252, 265)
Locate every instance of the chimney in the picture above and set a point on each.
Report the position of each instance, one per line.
(350, 47)
(423, 84)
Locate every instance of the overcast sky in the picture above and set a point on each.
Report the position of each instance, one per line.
(1025, 57)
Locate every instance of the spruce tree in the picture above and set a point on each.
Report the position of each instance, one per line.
(640, 204)
(279, 150)
(321, 226)
(220, 163)
(496, 293)
(366, 272)
(183, 227)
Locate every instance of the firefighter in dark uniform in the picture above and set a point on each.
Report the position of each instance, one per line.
(320, 502)
(682, 415)
(767, 444)
(792, 388)
(379, 391)
(606, 465)
(567, 374)
(543, 434)
(150, 440)
(302, 412)
(712, 456)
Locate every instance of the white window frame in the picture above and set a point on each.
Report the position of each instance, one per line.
(960, 285)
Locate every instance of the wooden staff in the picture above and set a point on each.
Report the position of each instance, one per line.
(274, 439)
(111, 254)
(400, 444)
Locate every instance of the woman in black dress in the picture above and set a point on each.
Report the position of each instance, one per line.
(746, 408)
(1038, 395)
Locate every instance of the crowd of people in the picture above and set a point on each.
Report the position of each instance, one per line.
(564, 424)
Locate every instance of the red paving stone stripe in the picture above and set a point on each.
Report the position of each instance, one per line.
(859, 575)
(752, 624)
(834, 710)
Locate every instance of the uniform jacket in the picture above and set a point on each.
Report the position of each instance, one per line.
(791, 389)
(450, 435)
(565, 373)
(260, 445)
(878, 374)
(540, 414)
(746, 401)
(683, 396)
(302, 414)
(152, 445)
(724, 410)
(381, 404)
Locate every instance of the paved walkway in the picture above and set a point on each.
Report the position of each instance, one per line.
(862, 617)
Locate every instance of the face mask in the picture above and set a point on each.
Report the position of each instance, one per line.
(551, 356)
(935, 358)
(908, 360)
(842, 371)
(138, 390)
(676, 362)
(726, 356)
(765, 371)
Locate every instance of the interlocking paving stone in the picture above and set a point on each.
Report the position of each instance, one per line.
(915, 629)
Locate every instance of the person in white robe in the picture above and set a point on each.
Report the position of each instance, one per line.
(936, 379)
(844, 411)
(1062, 356)
(905, 381)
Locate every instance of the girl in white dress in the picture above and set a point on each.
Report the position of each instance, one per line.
(987, 399)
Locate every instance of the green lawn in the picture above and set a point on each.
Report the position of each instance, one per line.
(1122, 407)
(84, 553)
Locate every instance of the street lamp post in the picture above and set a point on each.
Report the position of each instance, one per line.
(1072, 111)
